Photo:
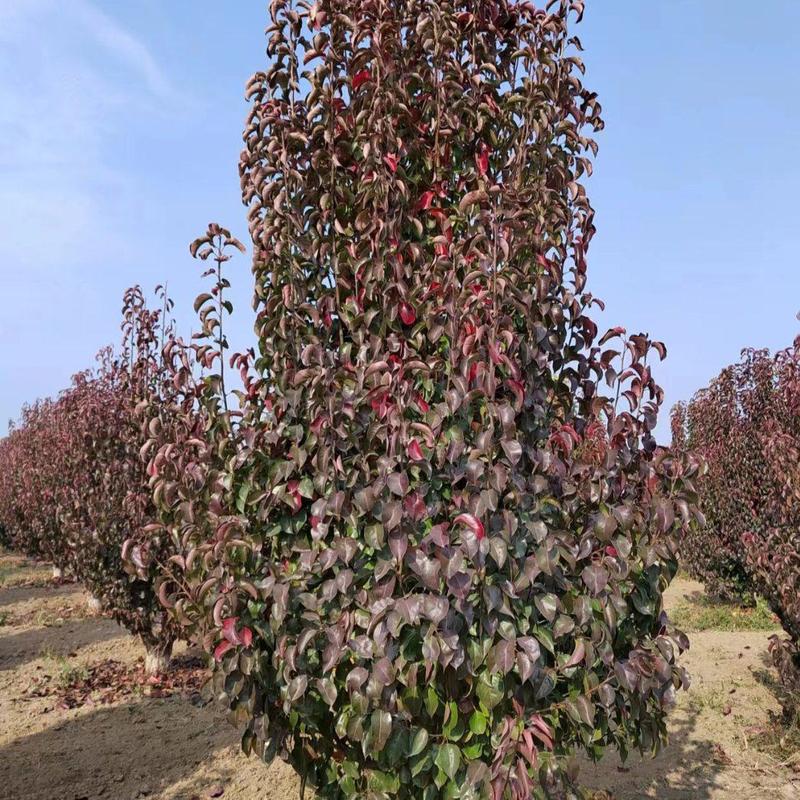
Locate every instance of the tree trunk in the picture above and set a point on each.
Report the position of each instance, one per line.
(157, 657)
(95, 606)
(57, 573)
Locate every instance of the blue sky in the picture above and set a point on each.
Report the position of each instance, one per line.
(120, 128)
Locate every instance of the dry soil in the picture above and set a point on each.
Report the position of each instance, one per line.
(180, 748)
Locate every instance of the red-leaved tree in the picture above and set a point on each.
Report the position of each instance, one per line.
(723, 423)
(746, 425)
(75, 485)
(773, 549)
(29, 485)
(426, 545)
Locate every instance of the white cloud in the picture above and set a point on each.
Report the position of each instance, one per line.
(122, 45)
(70, 79)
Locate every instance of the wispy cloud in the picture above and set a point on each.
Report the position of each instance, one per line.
(71, 77)
(121, 44)
(76, 89)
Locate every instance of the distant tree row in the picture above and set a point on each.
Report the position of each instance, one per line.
(746, 425)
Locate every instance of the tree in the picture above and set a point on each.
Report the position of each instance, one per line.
(724, 424)
(427, 550)
(773, 546)
(75, 485)
(29, 485)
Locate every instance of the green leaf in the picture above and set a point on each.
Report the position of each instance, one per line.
(422, 762)
(383, 781)
(241, 497)
(431, 701)
(477, 723)
(418, 742)
(380, 728)
(448, 759)
(545, 637)
(396, 749)
(374, 535)
(488, 690)
(473, 751)
(452, 720)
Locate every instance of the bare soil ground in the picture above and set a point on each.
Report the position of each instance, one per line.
(164, 741)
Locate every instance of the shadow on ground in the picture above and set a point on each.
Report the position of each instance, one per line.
(57, 640)
(118, 752)
(10, 595)
(688, 768)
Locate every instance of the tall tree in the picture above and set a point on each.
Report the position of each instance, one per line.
(432, 550)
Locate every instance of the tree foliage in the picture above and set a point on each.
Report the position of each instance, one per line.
(76, 486)
(723, 424)
(29, 484)
(428, 547)
(746, 425)
(773, 551)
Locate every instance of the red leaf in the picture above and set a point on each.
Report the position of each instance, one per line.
(407, 314)
(434, 288)
(415, 506)
(572, 433)
(361, 77)
(381, 403)
(473, 523)
(610, 334)
(391, 162)
(221, 649)
(292, 489)
(414, 451)
(425, 200)
(482, 158)
(229, 629)
(246, 636)
(542, 731)
(518, 389)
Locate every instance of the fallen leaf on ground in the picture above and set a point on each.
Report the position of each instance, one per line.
(719, 756)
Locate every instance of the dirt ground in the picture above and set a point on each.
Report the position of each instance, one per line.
(178, 747)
